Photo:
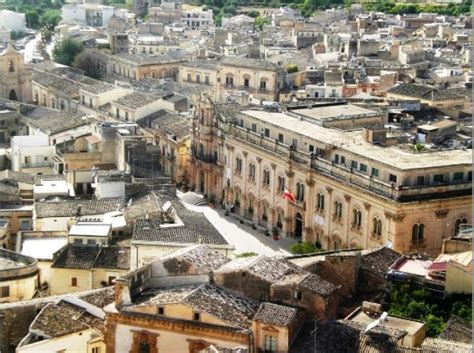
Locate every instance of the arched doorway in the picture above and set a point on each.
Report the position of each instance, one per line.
(12, 95)
(298, 225)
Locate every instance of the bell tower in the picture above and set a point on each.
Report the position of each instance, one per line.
(15, 78)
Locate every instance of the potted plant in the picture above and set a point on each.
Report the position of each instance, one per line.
(275, 233)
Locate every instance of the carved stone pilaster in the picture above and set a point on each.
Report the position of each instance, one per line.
(245, 153)
(273, 165)
(395, 217)
(367, 205)
(310, 182)
(289, 173)
(441, 213)
(329, 190)
(259, 160)
(347, 197)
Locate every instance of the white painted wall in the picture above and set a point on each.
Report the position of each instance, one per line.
(110, 190)
(35, 149)
(13, 21)
(73, 343)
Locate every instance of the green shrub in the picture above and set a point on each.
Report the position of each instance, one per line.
(303, 248)
(247, 254)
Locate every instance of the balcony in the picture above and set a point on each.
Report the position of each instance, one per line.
(400, 193)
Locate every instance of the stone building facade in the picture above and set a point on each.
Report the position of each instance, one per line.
(15, 77)
(349, 192)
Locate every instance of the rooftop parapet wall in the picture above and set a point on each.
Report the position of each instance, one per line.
(14, 265)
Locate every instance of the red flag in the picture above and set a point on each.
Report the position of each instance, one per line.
(288, 195)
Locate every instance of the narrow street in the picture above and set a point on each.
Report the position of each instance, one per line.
(242, 236)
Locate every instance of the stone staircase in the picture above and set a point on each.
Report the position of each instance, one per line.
(192, 198)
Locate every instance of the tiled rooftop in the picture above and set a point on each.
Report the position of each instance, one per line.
(69, 208)
(274, 314)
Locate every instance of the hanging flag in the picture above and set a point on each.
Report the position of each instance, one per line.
(288, 195)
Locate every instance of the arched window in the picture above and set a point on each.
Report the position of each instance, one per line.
(457, 225)
(238, 165)
(11, 66)
(252, 172)
(279, 222)
(418, 234)
(356, 217)
(250, 208)
(338, 209)
(263, 84)
(320, 201)
(281, 183)
(377, 227)
(266, 177)
(237, 198)
(229, 80)
(299, 192)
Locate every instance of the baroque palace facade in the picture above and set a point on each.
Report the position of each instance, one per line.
(356, 185)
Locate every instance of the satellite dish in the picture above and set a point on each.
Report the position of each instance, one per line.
(376, 323)
(388, 244)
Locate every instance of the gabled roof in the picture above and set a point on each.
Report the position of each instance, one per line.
(63, 318)
(216, 301)
(200, 256)
(274, 314)
(69, 208)
(85, 257)
(378, 260)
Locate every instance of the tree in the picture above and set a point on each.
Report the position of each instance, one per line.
(261, 21)
(66, 50)
(85, 62)
(291, 68)
(32, 19)
(50, 18)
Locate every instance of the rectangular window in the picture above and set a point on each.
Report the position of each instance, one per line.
(126, 116)
(77, 241)
(295, 143)
(354, 164)
(281, 138)
(343, 160)
(198, 78)
(117, 112)
(297, 295)
(458, 176)
(267, 132)
(189, 77)
(24, 224)
(196, 317)
(206, 80)
(469, 176)
(270, 343)
(254, 127)
(336, 159)
(96, 350)
(90, 242)
(161, 310)
(363, 168)
(74, 281)
(246, 82)
(90, 102)
(420, 180)
(311, 148)
(438, 178)
(5, 292)
(375, 172)
(392, 178)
